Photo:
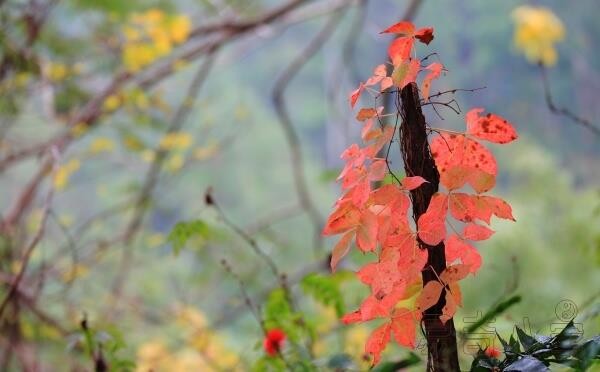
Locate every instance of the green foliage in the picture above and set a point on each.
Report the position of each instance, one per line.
(493, 312)
(530, 353)
(182, 232)
(412, 360)
(326, 290)
(278, 313)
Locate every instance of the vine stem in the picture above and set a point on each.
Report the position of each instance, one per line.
(418, 161)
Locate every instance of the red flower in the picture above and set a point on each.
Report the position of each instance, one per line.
(274, 341)
(492, 352)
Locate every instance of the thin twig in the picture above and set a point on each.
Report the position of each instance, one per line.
(563, 111)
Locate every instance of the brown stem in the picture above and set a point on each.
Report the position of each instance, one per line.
(418, 161)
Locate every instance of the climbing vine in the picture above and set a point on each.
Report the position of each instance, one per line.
(407, 279)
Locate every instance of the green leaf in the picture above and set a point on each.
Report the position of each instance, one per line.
(527, 364)
(184, 231)
(526, 340)
(411, 360)
(326, 290)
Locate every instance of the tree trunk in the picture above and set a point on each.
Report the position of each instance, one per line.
(418, 161)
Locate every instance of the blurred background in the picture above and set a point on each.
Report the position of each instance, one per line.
(117, 116)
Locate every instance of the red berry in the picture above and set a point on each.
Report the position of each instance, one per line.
(273, 341)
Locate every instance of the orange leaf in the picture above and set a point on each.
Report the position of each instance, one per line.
(404, 27)
(366, 113)
(490, 127)
(400, 49)
(460, 159)
(341, 249)
(405, 72)
(403, 328)
(411, 183)
(356, 94)
(456, 249)
(366, 232)
(424, 35)
(455, 273)
(345, 217)
(430, 295)
(377, 342)
(432, 223)
(474, 231)
(434, 72)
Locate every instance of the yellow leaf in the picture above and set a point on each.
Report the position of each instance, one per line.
(176, 140)
(61, 176)
(102, 144)
(537, 30)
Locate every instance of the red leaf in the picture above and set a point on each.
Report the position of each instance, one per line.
(405, 73)
(434, 72)
(460, 159)
(341, 249)
(404, 27)
(400, 49)
(466, 208)
(356, 94)
(344, 218)
(377, 170)
(450, 307)
(455, 273)
(432, 223)
(411, 183)
(377, 342)
(366, 232)
(474, 231)
(386, 82)
(403, 328)
(456, 249)
(430, 295)
(490, 127)
(366, 113)
(424, 35)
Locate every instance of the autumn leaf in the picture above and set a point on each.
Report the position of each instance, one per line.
(403, 27)
(474, 231)
(457, 249)
(424, 35)
(411, 183)
(345, 217)
(434, 72)
(377, 341)
(461, 160)
(355, 95)
(405, 73)
(366, 113)
(366, 232)
(490, 127)
(341, 249)
(429, 296)
(403, 327)
(454, 273)
(432, 223)
(399, 50)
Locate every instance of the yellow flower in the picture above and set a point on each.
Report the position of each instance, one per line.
(176, 140)
(64, 172)
(57, 71)
(111, 103)
(175, 163)
(203, 153)
(78, 129)
(537, 30)
(102, 144)
(179, 28)
(74, 272)
(148, 156)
